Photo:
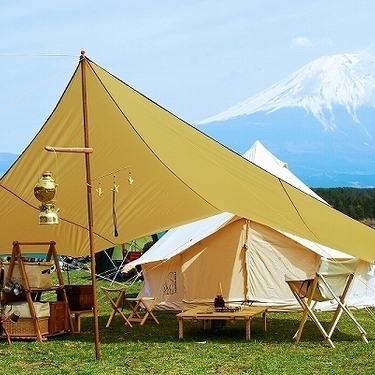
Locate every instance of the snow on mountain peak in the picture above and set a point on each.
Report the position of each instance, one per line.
(346, 80)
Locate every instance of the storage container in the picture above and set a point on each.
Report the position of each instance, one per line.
(42, 309)
(80, 297)
(59, 319)
(24, 328)
(37, 273)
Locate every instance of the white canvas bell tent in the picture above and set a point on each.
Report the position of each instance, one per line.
(248, 259)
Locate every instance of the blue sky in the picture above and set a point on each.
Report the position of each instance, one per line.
(195, 58)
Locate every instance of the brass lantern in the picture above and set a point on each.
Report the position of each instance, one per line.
(45, 192)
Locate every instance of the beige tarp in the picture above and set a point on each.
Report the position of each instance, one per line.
(180, 175)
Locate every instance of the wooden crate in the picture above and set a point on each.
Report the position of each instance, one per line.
(24, 328)
(80, 297)
(58, 319)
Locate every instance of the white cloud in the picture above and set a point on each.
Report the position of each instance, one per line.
(301, 41)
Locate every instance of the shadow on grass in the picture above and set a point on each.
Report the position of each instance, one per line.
(280, 329)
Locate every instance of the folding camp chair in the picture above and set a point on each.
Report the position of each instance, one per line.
(141, 309)
(331, 283)
(116, 303)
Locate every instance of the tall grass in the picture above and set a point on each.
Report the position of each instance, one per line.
(155, 349)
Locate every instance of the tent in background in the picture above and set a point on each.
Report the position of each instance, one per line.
(250, 260)
(109, 262)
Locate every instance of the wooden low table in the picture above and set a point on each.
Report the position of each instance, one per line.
(208, 313)
(77, 318)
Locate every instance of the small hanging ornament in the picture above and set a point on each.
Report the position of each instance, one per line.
(45, 191)
(99, 190)
(115, 187)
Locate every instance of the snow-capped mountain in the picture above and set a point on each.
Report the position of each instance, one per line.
(344, 80)
(320, 119)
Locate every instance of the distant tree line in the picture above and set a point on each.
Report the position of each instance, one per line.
(357, 203)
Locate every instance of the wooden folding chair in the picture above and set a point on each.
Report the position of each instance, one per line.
(331, 283)
(141, 309)
(116, 296)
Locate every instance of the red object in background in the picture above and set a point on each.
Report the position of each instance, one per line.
(132, 255)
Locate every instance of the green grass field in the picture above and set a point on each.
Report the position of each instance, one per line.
(155, 349)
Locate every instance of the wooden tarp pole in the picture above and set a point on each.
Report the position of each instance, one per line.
(87, 151)
(89, 204)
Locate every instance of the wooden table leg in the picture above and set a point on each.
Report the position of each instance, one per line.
(180, 329)
(77, 319)
(204, 324)
(77, 323)
(264, 318)
(248, 327)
